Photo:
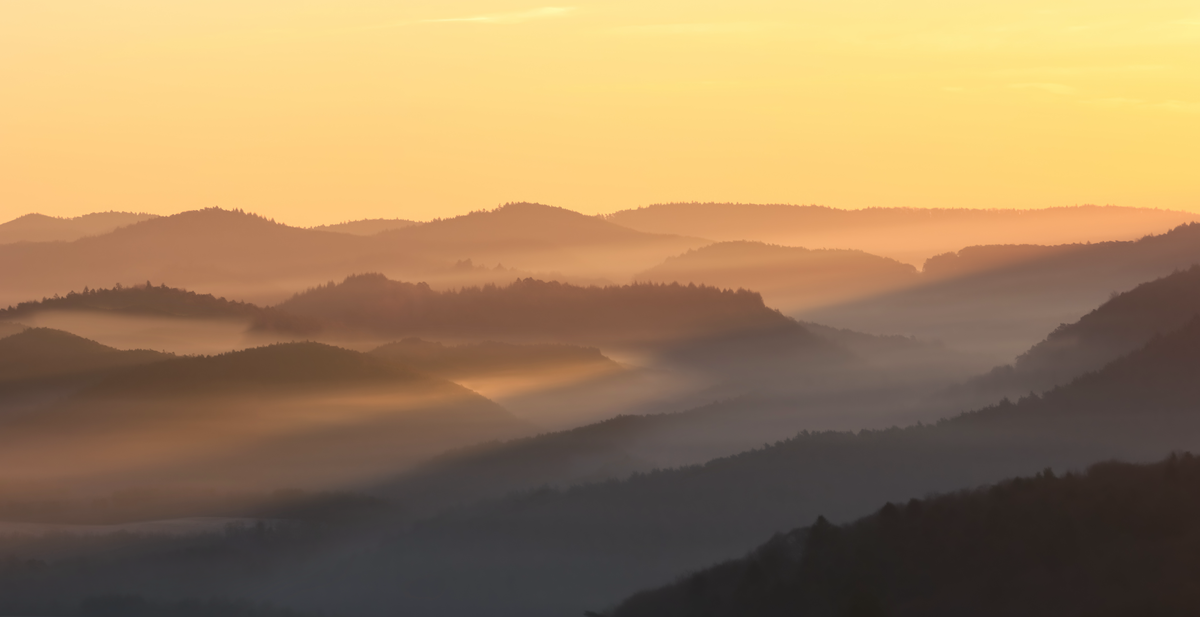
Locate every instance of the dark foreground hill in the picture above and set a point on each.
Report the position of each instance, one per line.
(300, 414)
(789, 278)
(1118, 540)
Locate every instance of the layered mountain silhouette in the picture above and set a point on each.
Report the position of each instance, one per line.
(42, 228)
(788, 278)
(298, 414)
(1116, 540)
(911, 235)
(367, 227)
(241, 255)
(1008, 308)
(587, 543)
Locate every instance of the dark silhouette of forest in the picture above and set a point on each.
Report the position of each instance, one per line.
(1119, 539)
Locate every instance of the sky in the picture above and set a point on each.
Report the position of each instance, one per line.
(321, 111)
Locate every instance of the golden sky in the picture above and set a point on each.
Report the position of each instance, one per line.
(316, 111)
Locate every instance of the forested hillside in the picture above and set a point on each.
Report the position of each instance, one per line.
(1119, 539)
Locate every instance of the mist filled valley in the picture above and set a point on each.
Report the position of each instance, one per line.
(530, 411)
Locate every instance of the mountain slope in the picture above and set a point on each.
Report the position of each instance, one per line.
(42, 228)
(299, 414)
(1006, 310)
(788, 278)
(910, 235)
(1031, 546)
(1119, 326)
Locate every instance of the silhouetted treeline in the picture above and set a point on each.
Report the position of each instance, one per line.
(535, 309)
(162, 301)
(1118, 540)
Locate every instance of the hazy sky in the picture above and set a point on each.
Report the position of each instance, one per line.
(315, 111)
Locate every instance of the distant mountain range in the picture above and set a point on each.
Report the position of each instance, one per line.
(910, 235)
(1116, 540)
(42, 228)
(235, 254)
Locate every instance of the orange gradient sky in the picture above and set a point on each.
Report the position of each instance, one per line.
(316, 111)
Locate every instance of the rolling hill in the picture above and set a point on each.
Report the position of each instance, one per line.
(910, 235)
(788, 278)
(42, 228)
